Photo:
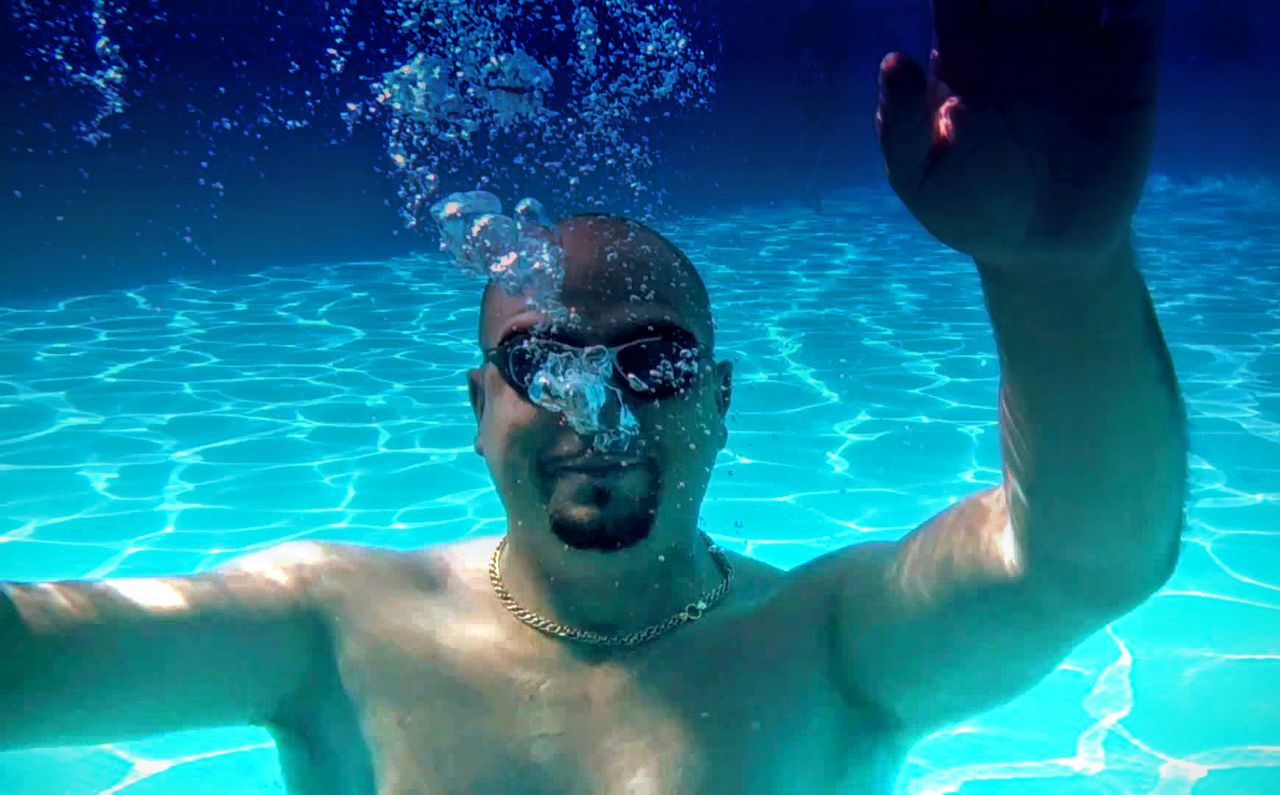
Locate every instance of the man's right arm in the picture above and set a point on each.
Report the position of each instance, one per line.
(85, 662)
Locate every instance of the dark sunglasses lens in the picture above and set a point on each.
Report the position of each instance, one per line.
(660, 368)
(520, 362)
(657, 369)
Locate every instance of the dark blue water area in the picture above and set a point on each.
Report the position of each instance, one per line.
(791, 114)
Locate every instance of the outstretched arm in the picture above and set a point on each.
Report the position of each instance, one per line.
(86, 662)
(1026, 147)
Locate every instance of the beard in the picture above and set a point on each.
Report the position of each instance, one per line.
(604, 513)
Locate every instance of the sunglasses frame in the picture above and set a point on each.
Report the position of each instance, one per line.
(493, 356)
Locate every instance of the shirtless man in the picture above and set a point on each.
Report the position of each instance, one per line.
(609, 648)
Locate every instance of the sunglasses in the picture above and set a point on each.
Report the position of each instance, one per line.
(653, 367)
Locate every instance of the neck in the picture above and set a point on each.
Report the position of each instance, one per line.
(607, 592)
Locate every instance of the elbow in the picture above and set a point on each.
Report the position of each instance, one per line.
(1166, 559)
(1105, 593)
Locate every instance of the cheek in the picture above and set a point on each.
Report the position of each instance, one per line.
(686, 427)
(516, 435)
(515, 428)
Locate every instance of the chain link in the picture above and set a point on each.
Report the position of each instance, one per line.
(691, 612)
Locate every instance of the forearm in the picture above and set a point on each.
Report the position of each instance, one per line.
(1092, 423)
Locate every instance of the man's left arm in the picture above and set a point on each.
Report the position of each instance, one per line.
(1026, 146)
(987, 597)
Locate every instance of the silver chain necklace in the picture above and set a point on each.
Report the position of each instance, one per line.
(691, 612)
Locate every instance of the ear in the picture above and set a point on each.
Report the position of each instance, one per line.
(724, 391)
(475, 391)
(724, 395)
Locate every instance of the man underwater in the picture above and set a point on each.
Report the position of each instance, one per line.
(603, 645)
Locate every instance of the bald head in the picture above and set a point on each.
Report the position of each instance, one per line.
(615, 270)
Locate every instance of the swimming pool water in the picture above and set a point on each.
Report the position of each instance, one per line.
(168, 428)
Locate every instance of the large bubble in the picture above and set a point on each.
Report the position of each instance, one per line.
(521, 254)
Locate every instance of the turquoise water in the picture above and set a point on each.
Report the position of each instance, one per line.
(168, 428)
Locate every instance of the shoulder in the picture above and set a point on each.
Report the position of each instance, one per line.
(817, 588)
(460, 567)
(280, 562)
(326, 572)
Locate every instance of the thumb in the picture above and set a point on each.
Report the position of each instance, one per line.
(903, 119)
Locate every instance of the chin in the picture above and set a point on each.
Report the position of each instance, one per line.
(597, 532)
(608, 514)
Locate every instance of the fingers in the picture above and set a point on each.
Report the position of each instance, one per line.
(1005, 48)
(903, 118)
(939, 89)
(1134, 17)
(959, 24)
(1016, 10)
(960, 15)
(1086, 13)
(903, 96)
(1145, 9)
(947, 122)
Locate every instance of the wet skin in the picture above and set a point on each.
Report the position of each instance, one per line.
(400, 672)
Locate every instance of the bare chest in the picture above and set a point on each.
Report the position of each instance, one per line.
(462, 701)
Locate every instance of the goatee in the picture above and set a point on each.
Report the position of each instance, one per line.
(604, 514)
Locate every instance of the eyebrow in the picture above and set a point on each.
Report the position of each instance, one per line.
(626, 334)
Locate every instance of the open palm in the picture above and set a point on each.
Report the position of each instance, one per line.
(1026, 145)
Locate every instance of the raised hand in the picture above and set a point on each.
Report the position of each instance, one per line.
(1026, 146)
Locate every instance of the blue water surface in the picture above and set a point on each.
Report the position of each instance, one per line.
(168, 428)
